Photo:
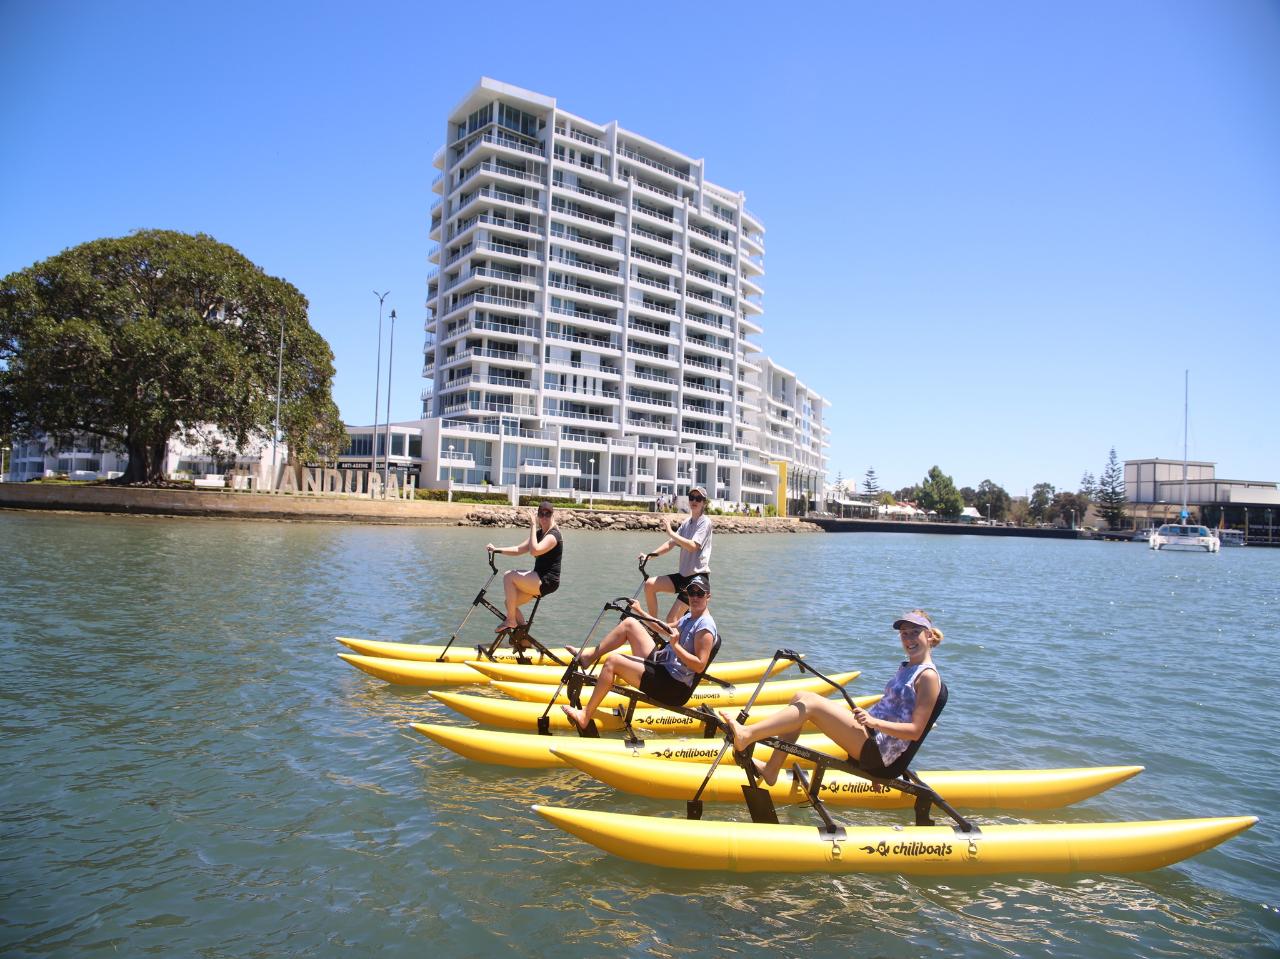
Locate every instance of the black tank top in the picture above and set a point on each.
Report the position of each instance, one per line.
(548, 564)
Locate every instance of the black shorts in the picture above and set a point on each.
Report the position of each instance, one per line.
(680, 582)
(662, 686)
(549, 584)
(870, 761)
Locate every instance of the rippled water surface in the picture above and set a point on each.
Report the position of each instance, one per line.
(188, 769)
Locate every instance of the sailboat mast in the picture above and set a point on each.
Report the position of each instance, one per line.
(1186, 386)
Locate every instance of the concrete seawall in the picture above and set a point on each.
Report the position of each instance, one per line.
(329, 509)
(955, 529)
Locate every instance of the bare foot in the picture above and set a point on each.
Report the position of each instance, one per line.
(737, 730)
(584, 660)
(576, 717)
(762, 769)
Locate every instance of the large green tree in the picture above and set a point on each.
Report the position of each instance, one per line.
(991, 500)
(1111, 501)
(938, 493)
(1041, 500)
(870, 484)
(140, 338)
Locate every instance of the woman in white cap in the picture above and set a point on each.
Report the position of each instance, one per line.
(667, 674)
(694, 541)
(873, 737)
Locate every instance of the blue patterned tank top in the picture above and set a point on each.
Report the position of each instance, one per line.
(897, 706)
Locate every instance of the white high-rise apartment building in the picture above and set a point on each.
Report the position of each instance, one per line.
(591, 315)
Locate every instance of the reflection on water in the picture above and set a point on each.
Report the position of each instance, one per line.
(188, 768)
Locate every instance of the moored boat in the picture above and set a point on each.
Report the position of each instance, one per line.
(973, 788)
(709, 693)
(1184, 536)
(914, 850)
(1230, 537)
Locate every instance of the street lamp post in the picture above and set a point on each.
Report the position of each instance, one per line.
(451, 462)
(386, 451)
(592, 461)
(275, 434)
(1268, 527)
(377, 387)
(4, 450)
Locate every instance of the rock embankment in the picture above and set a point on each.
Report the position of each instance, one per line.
(628, 520)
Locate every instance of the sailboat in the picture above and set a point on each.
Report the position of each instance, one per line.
(1183, 535)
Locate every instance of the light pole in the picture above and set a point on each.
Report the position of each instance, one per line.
(386, 451)
(4, 450)
(451, 462)
(275, 435)
(377, 385)
(592, 461)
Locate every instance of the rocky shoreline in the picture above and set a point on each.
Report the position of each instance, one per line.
(626, 520)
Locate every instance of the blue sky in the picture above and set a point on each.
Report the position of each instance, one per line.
(997, 232)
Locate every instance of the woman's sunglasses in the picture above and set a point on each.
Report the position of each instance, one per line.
(696, 592)
(695, 498)
(545, 512)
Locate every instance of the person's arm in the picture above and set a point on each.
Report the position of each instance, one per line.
(508, 550)
(690, 544)
(544, 545)
(641, 614)
(928, 685)
(697, 661)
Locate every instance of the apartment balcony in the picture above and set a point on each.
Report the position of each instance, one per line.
(652, 356)
(428, 372)
(576, 134)
(750, 287)
(561, 235)
(506, 250)
(747, 325)
(522, 331)
(532, 466)
(657, 166)
(665, 265)
(710, 256)
(639, 328)
(703, 364)
(639, 233)
(707, 411)
(474, 299)
(593, 195)
(580, 289)
(598, 221)
(520, 358)
(573, 436)
(600, 346)
(706, 346)
(502, 143)
(714, 235)
(639, 399)
(699, 431)
(484, 274)
(586, 266)
(487, 406)
(550, 411)
(753, 245)
(652, 377)
(588, 369)
(652, 213)
(650, 425)
(714, 323)
(706, 388)
(498, 172)
(597, 321)
(606, 396)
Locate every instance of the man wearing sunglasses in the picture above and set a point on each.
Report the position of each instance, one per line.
(694, 540)
(668, 674)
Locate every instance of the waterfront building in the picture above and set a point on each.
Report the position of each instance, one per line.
(591, 319)
(206, 457)
(1153, 488)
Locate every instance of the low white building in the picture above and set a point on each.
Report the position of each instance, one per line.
(93, 458)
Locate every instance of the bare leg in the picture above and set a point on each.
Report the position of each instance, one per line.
(834, 721)
(519, 589)
(627, 669)
(627, 632)
(677, 610)
(652, 587)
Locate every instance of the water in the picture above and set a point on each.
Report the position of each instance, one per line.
(189, 770)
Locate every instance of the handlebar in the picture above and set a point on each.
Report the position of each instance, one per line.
(493, 566)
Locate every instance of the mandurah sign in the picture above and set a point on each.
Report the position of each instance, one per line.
(324, 481)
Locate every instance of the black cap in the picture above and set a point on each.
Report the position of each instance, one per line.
(700, 581)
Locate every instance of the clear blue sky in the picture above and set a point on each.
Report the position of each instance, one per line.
(997, 232)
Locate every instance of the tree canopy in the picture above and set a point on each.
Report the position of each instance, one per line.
(938, 494)
(139, 338)
(1111, 500)
(991, 500)
(870, 484)
(1041, 500)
